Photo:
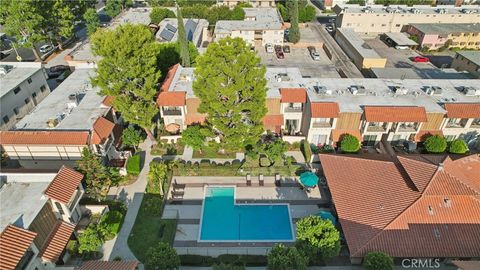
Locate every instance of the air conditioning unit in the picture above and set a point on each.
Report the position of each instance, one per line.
(433, 90)
(322, 90)
(470, 91)
(400, 90)
(357, 90)
(72, 101)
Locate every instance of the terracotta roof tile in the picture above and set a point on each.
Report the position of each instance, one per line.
(14, 242)
(102, 128)
(293, 95)
(395, 114)
(108, 101)
(337, 134)
(169, 78)
(325, 110)
(171, 99)
(194, 118)
(44, 137)
(422, 135)
(467, 265)
(419, 172)
(463, 110)
(106, 265)
(57, 240)
(63, 186)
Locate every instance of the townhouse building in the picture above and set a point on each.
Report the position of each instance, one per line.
(22, 86)
(435, 36)
(196, 30)
(73, 117)
(322, 110)
(39, 213)
(377, 19)
(261, 26)
(467, 61)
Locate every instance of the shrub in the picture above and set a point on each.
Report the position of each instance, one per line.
(435, 144)
(286, 258)
(158, 14)
(264, 162)
(318, 237)
(110, 224)
(326, 149)
(72, 247)
(90, 239)
(458, 147)
(223, 266)
(307, 152)
(162, 257)
(378, 261)
(349, 144)
(133, 165)
(314, 148)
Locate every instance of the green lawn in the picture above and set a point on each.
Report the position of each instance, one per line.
(167, 149)
(212, 153)
(149, 229)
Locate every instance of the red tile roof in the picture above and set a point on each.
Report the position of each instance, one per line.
(422, 135)
(63, 186)
(337, 134)
(325, 110)
(14, 242)
(194, 118)
(57, 240)
(393, 215)
(106, 265)
(108, 101)
(293, 95)
(44, 137)
(395, 114)
(467, 265)
(169, 78)
(171, 99)
(463, 110)
(102, 128)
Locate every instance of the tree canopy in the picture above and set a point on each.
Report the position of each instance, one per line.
(230, 83)
(132, 137)
(157, 176)
(292, 10)
(182, 40)
(377, 261)
(194, 136)
(158, 14)
(114, 7)
(318, 237)
(92, 21)
(286, 258)
(349, 144)
(435, 144)
(162, 257)
(90, 240)
(97, 177)
(458, 146)
(128, 71)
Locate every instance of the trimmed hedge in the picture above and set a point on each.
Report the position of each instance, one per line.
(349, 144)
(133, 165)
(435, 144)
(247, 260)
(306, 150)
(378, 261)
(458, 146)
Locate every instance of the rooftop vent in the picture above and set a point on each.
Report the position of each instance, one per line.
(430, 210)
(442, 11)
(72, 101)
(322, 90)
(433, 90)
(400, 90)
(357, 90)
(470, 91)
(467, 11)
(436, 232)
(4, 69)
(282, 77)
(52, 122)
(416, 11)
(447, 202)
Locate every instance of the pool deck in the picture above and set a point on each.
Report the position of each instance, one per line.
(187, 209)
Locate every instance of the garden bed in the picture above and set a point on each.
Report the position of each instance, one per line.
(163, 148)
(242, 260)
(213, 153)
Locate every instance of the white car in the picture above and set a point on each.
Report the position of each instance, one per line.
(269, 48)
(329, 28)
(315, 56)
(46, 48)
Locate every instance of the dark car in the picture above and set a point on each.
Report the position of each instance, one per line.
(56, 71)
(278, 48)
(286, 49)
(280, 54)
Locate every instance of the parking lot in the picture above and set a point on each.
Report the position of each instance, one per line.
(300, 57)
(396, 58)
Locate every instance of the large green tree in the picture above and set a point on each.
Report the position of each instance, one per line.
(194, 136)
(128, 71)
(96, 175)
(132, 137)
(318, 237)
(231, 84)
(158, 14)
(114, 7)
(286, 258)
(378, 261)
(90, 239)
(157, 176)
(92, 21)
(294, 32)
(182, 40)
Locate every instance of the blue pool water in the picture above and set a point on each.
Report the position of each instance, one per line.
(222, 220)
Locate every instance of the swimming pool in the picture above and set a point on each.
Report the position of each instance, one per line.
(223, 220)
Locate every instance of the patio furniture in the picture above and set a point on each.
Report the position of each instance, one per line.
(277, 180)
(260, 180)
(308, 179)
(249, 180)
(177, 194)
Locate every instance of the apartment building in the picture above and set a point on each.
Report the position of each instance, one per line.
(261, 26)
(22, 86)
(196, 30)
(377, 19)
(435, 36)
(362, 55)
(39, 213)
(467, 61)
(254, 3)
(73, 117)
(322, 110)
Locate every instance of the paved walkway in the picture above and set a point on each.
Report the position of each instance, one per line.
(132, 195)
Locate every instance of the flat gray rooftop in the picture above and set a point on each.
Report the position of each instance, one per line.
(21, 202)
(358, 43)
(472, 56)
(447, 28)
(255, 19)
(193, 28)
(54, 105)
(420, 73)
(139, 15)
(426, 9)
(15, 76)
(401, 39)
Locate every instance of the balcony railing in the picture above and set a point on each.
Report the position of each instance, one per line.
(455, 125)
(402, 128)
(376, 129)
(321, 125)
(172, 112)
(293, 109)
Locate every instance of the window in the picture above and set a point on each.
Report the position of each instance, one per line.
(43, 88)
(16, 90)
(34, 95)
(6, 119)
(27, 100)
(369, 140)
(29, 81)
(59, 208)
(16, 111)
(476, 123)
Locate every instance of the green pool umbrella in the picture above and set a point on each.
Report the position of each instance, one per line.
(308, 179)
(327, 215)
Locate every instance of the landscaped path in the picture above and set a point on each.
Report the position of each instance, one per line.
(132, 195)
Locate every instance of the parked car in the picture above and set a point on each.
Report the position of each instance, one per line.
(286, 49)
(420, 59)
(46, 48)
(56, 71)
(329, 28)
(313, 53)
(280, 54)
(332, 20)
(277, 48)
(269, 48)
